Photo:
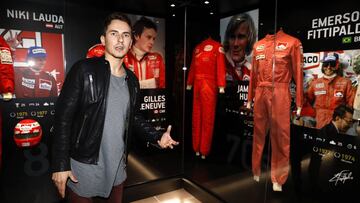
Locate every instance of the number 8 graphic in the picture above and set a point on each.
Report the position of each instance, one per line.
(37, 164)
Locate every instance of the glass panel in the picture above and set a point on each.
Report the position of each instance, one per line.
(221, 160)
(324, 139)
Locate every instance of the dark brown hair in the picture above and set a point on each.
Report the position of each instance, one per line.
(115, 16)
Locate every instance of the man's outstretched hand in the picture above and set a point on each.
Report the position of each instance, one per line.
(166, 140)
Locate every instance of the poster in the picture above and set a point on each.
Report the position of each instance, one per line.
(36, 82)
(35, 33)
(347, 60)
(151, 68)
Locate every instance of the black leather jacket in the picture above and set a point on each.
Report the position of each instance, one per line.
(80, 114)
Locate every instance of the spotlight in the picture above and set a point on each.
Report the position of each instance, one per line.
(206, 2)
(172, 5)
(211, 13)
(173, 15)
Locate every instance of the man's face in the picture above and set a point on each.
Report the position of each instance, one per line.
(117, 39)
(146, 40)
(346, 122)
(329, 68)
(37, 64)
(237, 43)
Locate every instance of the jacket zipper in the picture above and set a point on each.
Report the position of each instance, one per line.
(92, 87)
(81, 129)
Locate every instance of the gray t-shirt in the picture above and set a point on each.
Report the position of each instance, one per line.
(98, 180)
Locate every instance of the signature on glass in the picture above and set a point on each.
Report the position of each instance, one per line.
(341, 177)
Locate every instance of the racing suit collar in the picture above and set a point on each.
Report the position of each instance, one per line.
(36, 72)
(272, 36)
(330, 77)
(228, 57)
(138, 53)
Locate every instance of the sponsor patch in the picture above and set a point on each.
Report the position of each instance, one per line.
(281, 45)
(320, 85)
(338, 94)
(205, 59)
(39, 51)
(208, 47)
(340, 83)
(221, 50)
(29, 83)
(45, 84)
(5, 56)
(320, 92)
(259, 57)
(260, 47)
(197, 51)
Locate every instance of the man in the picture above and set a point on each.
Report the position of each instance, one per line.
(329, 91)
(148, 66)
(96, 114)
(342, 120)
(240, 36)
(34, 81)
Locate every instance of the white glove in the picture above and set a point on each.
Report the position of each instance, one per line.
(221, 90)
(7, 96)
(298, 111)
(248, 105)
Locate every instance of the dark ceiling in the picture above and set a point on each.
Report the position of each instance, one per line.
(162, 7)
(231, 6)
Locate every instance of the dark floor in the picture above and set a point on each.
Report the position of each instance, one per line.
(226, 171)
(230, 182)
(234, 184)
(225, 174)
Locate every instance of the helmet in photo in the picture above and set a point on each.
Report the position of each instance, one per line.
(36, 52)
(330, 58)
(27, 133)
(97, 50)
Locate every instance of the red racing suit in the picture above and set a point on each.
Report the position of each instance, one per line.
(6, 78)
(30, 84)
(150, 70)
(328, 93)
(206, 75)
(276, 60)
(240, 72)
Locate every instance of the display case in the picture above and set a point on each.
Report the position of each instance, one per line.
(251, 89)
